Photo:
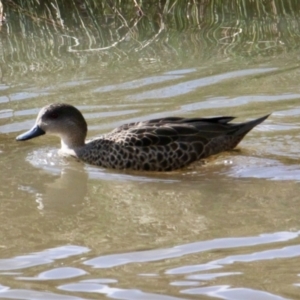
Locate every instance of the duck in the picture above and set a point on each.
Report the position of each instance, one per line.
(163, 144)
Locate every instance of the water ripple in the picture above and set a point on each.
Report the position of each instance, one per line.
(113, 260)
(226, 292)
(40, 258)
(189, 86)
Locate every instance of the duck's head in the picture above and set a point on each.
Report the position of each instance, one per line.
(62, 120)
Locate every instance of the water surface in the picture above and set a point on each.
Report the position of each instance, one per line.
(227, 228)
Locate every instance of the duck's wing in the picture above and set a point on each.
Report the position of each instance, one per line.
(170, 120)
(161, 132)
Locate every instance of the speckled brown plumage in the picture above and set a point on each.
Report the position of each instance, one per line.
(157, 145)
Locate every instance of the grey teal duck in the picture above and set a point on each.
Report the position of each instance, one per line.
(156, 145)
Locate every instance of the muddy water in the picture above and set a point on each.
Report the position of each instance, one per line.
(227, 229)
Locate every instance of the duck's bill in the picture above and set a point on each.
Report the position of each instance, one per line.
(30, 134)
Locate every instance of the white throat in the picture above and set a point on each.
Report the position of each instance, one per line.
(64, 146)
(65, 150)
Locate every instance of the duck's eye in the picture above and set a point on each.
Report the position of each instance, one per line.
(53, 115)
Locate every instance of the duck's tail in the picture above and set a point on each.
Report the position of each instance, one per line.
(244, 128)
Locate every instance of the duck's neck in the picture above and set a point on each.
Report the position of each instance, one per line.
(71, 143)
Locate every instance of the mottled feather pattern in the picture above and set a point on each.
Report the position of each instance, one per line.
(158, 145)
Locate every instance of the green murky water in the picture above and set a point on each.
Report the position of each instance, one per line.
(228, 229)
